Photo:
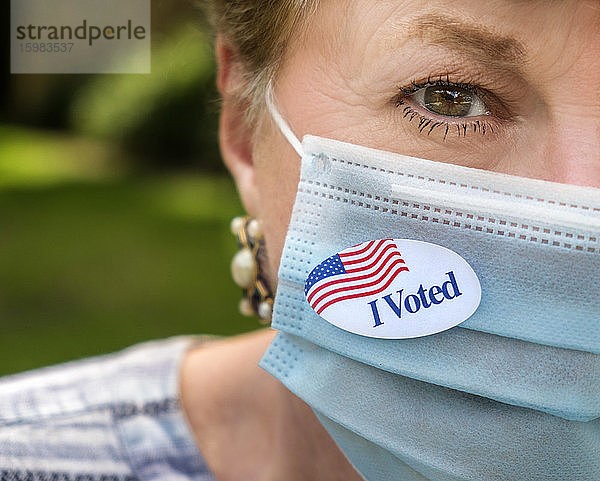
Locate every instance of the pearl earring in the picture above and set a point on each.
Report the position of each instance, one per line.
(245, 269)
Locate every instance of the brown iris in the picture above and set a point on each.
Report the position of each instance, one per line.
(450, 102)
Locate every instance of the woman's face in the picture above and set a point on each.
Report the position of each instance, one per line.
(511, 86)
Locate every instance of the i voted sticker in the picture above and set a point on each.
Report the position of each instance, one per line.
(394, 289)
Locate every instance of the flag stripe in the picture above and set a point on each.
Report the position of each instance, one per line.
(325, 283)
(356, 286)
(362, 294)
(380, 254)
(359, 251)
(362, 270)
(352, 258)
(337, 270)
(362, 285)
(355, 261)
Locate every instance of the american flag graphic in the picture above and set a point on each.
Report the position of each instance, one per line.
(359, 271)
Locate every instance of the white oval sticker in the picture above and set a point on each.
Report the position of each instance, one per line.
(394, 289)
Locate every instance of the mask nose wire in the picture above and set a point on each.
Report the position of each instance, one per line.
(284, 127)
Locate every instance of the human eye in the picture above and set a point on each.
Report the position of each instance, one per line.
(450, 101)
(452, 107)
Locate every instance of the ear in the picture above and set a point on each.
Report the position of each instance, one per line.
(235, 135)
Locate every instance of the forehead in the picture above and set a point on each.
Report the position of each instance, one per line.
(507, 32)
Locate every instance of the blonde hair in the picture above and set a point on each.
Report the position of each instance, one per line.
(259, 32)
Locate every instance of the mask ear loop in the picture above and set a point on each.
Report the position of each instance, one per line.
(284, 127)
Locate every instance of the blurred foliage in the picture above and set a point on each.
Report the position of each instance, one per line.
(114, 213)
(169, 117)
(90, 268)
(165, 120)
(38, 158)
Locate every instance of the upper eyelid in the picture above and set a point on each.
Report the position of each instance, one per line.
(414, 85)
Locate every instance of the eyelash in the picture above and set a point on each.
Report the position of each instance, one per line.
(428, 122)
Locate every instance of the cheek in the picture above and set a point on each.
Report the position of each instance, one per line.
(277, 170)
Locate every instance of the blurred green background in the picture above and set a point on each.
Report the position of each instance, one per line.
(114, 205)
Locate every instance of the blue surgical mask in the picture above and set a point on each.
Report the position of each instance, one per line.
(510, 392)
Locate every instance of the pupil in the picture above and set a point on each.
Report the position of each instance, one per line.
(450, 102)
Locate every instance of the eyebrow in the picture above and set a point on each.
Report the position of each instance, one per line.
(474, 40)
